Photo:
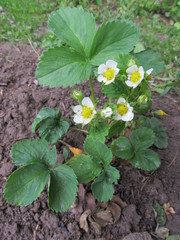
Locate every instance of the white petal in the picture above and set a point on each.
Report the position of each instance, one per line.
(87, 120)
(132, 69)
(78, 119)
(77, 109)
(149, 71)
(116, 71)
(111, 64)
(128, 116)
(101, 78)
(141, 70)
(109, 81)
(121, 100)
(101, 69)
(87, 102)
(130, 84)
(117, 117)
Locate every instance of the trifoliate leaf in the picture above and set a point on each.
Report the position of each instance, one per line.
(146, 159)
(102, 187)
(97, 150)
(161, 139)
(98, 132)
(33, 151)
(150, 59)
(62, 66)
(62, 189)
(122, 148)
(159, 214)
(85, 168)
(26, 183)
(50, 124)
(111, 39)
(142, 138)
(116, 128)
(115, 89)
(74, 26)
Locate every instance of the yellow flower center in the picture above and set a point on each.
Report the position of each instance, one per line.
(135, 77)
(109, 74)
(122, 108)
(87, 112)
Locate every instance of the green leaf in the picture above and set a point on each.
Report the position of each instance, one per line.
(115, 89)
(122, 148)
(33, 151)
(165, 91)
(62, 189)
(142, 138)
(85, 168)
(146, 159)
(102, 187)
(116, 128)
(174, 237)
(97, 150)
(161, 139)
(62, 66)
(74, 26)
(99, 132)
(160, 214)
(26, 183)
(150, 59)
(113, 38)
(50, 124)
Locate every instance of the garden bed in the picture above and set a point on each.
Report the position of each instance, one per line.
(21, 98)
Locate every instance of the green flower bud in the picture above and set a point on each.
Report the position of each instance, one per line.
(131, 62)
(142, 99)
(77, 95)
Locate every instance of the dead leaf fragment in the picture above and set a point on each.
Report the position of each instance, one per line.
(104, 214)
(162, 232)
(83, 220)
(168, 210)
(75, 151)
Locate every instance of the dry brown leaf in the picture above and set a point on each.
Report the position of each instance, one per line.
(115, 210)
(103, 217)
(83, 220)
(90, 202)
(119, 201)
(96, 227)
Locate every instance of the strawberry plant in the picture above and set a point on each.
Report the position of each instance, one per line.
(105, 54)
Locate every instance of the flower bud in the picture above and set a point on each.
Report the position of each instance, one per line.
(77, 95)
(160, 113)
(107, 112)
(142, 99)
(131, 62)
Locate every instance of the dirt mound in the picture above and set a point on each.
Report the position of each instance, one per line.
(20, 100)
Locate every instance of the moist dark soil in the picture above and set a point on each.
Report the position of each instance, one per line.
(20, 100)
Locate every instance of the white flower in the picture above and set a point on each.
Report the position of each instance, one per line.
(107, 112)
(135, 76)
(124, 111)
(108, 72)
(84, 113)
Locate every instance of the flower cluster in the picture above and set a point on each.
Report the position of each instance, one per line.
(86, 110)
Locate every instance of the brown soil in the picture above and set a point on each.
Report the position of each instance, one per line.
(20, 100)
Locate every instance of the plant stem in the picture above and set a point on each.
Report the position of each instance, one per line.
(66, 144)
(92, 89)
(81, 130)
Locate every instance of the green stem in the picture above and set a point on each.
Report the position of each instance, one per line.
(92, 89)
